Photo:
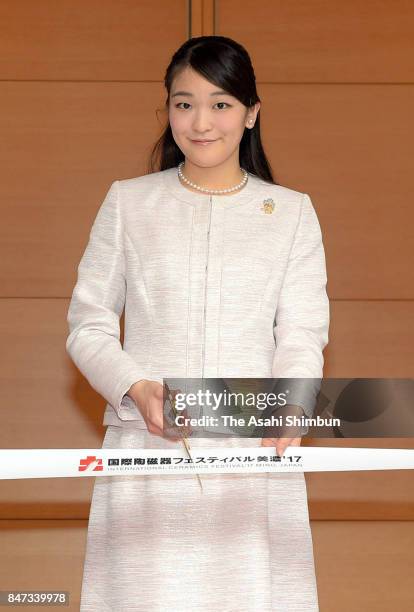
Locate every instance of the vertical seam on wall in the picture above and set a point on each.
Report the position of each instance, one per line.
(189, 15)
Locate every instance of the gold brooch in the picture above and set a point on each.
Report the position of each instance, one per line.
(268, 206)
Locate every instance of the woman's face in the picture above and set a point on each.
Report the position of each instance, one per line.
(198, 111)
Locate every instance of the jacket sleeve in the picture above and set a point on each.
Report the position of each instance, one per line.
(302, 314)
(96, 306)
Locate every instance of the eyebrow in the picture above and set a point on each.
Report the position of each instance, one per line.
(219, 92)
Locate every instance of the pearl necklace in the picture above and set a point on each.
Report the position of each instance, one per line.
(205, 190)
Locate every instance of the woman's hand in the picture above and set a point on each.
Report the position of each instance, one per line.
(288, 435)
(149, 398)
(281, 443)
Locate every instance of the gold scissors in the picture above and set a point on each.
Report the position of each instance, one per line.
(183, 438)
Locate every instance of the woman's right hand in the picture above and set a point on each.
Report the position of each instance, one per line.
(148, 395)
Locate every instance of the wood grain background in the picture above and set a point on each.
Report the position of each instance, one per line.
(81, 90)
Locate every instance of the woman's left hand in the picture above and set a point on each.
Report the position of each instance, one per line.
(281, 443)
(290, 437)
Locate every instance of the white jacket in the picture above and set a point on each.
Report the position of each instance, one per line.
(213, 286)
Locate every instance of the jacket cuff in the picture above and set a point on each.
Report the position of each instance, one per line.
(305, 412)
(303, 392)
(123, 404)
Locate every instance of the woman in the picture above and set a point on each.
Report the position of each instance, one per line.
(222, 274)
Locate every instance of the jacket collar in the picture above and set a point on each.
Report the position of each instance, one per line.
(249, 192)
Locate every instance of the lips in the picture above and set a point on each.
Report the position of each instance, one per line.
(203, 142)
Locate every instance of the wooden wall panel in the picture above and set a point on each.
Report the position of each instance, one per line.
(63, 145)
(97, 40)
(48, 498)
(310, 41)
(367, 495)
(48, 399)
(348, 147)
(80, 86)
(50, 405)
(370, 339)
(364, 566)
(201, 18)
(360, 566)
(49, 555)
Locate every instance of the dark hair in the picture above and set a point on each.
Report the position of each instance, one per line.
(225, 63)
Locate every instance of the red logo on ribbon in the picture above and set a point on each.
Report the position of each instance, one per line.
(91, 463)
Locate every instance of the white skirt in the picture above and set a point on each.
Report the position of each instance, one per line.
(158, 543)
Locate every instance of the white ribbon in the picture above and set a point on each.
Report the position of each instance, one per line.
(79, 462)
